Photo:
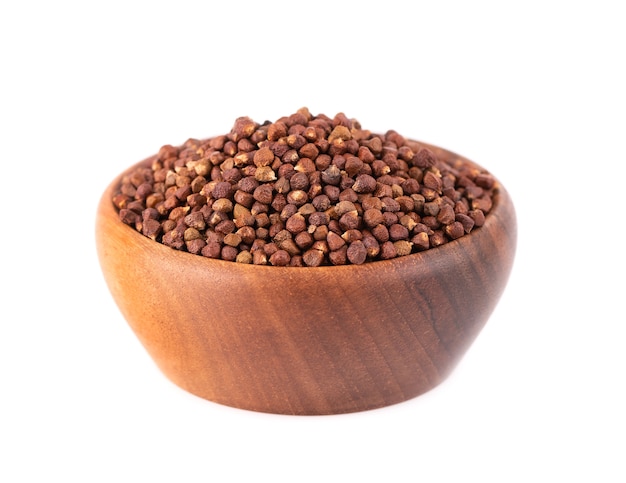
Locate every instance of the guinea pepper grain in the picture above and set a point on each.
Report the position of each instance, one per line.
(304, 191)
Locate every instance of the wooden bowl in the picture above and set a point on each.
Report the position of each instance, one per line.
(323, 340)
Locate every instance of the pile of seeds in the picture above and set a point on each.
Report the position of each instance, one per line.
(304, 191)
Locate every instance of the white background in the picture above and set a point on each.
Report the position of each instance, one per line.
(533, 91)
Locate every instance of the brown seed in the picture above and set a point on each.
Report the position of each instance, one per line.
(288, 211)
(222, 189)
(483, 204)
(320, 245)
(387, 251)
(259, 258)
(280, 258)
(339, 257)
(296, 223)
(243, 128)
(331, 175)
(398, 232)
(365, 155)
(319, 218)
(195, 246)
(431, 222)
(424, 158)
(389, 204)
(211, 250)
(242, 216)
(248, 184)
(364, 183)
(371, 245)
(344, 207)
(247, 234)
(485, 180)
(353, 166)
(174, 239)
(334, 241)
(321, 202)
(466, 221)
(313, 258)
(297, 197)
(264, 174)
(420, 241)
(303, 240)
(408, 222)
(349, 221)
(370, 202)
(191, 234)
(372, 217)
(128, 217)
(229, 253)
(403, 247)
(244, 257)
(279, 202)
(178, 213)
(478, 216)
(276, 131)
(305, 165)
(357, 253)
(270, 248)
(263, 157)
(232, 239)
(432, 181)
(290, 246)
(225, 227)
(263, 194)
(299, 181)
(309, 150)
(348, 194)
(340, 133)
(381, 233)
(352, 235)
(320, 232)
(296, 141)
(223, 204)
(446, 215)
(454, 230)
(437, 238)
(282, 185)
(244, 199)
(151, 228)
(306, 209)
(296, 261)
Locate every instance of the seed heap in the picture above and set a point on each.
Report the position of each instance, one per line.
(303, 191)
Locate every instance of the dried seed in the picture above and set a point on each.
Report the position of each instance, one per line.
(373, 217)
(364, 183)
(244, 257)
(263, 157)
(398, 232)
(387, 251)
(446, 215)
(454, 230)
(264, 174)
(403, 247)
(313, 258)
(420, 241)
(296, 223)
(466, 221)
(280, 258)
(357, 253)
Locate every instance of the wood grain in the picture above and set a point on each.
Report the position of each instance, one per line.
(322, 340)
